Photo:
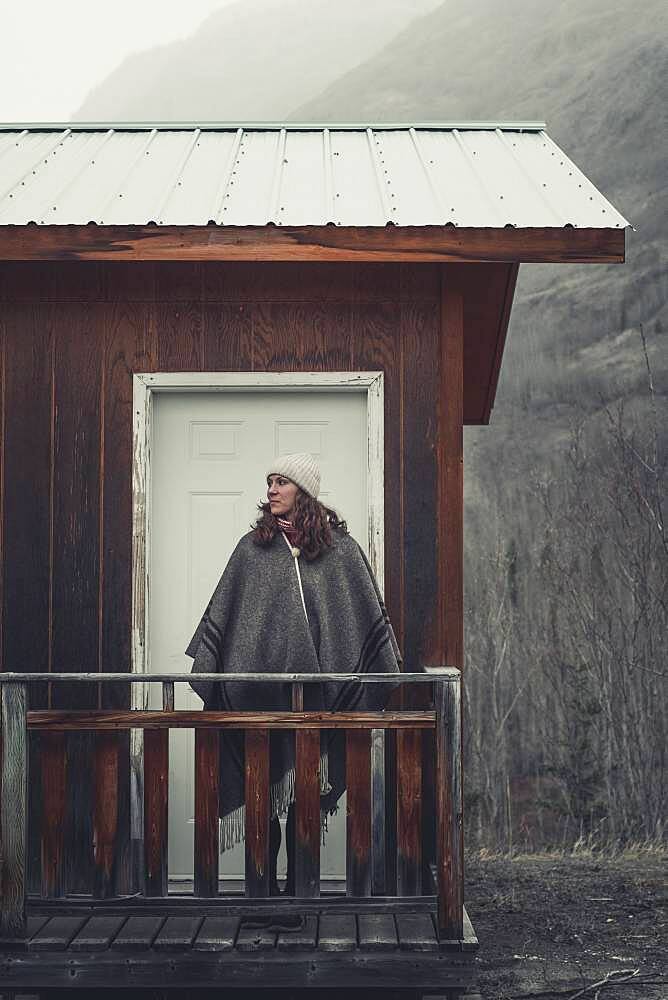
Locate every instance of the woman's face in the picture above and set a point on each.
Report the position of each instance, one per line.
(281, 493)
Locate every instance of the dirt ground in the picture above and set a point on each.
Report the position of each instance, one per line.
(552, 925)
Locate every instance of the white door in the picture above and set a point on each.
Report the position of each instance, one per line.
(209, 453)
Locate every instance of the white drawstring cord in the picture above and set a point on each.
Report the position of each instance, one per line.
(295, 554)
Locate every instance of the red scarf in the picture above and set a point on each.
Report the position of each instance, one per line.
(290, 530)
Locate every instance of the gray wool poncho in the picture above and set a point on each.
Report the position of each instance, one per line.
(256, 622)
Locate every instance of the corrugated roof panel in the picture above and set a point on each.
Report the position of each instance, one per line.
(301, 181)
(409, 197)
(247, 200)
(24, 164)
(461, 195)
(142, 188)
(580, 203)
(484, 176)
(511, 196)
(355, 191)
(195, 197)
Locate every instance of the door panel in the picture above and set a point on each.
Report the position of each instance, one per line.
(209, 453)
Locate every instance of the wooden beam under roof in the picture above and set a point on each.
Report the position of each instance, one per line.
(324, 243)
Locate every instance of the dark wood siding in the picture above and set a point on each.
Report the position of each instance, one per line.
(74, 333)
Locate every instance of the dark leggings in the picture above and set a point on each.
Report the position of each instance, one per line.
(275, 843)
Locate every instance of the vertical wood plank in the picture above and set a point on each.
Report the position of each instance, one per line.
(179, 330)
(307, 813)
(207, 750)
(293, 335)
(13, 809)
(449, 809)
(76, 598)
(377, 345)
(25, 474)
(53, 761)
(126, 322)
(156, 796)
(257, 812)
(450, 527)
(420, 330)
(409, 812)
(358, 819)
(226, 333)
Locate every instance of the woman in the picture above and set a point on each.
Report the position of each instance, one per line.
(297, 596)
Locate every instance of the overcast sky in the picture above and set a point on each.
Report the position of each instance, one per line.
(53, 51)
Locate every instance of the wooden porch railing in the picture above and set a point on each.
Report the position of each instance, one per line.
(363, 818)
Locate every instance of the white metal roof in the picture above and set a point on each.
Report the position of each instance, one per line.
(473, 174)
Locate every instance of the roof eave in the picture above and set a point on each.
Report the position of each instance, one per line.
(250, 126)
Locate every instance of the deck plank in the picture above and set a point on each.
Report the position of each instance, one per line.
(34, 923)
(138, 933)
(416, 932)
(178, 933)
(337, 932)
(301, 940)
(255, 939)
(98, 932)
(56, 933)
(377, 931)
(217, 934)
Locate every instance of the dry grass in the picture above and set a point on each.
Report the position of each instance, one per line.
(582, 848)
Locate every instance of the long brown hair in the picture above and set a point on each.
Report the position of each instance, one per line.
(312, 519)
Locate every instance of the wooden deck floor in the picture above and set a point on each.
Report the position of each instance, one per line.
(170, 949)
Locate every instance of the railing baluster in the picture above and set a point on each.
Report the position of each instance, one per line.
(305, 860)
(297, 697)
(257, 812)
(53, 762)
(449, 848)
(409, 812)
(307, 813)
(156, 802)
(207, 758)
(168, 696)
(379, 810)
(105, 812)
(358, 825)
(156, 806)
(13, 809)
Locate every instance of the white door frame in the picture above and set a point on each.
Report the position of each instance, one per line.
(144, 385)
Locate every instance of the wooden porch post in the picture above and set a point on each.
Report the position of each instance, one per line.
(449, 825)
(13, 809)
(449, 644)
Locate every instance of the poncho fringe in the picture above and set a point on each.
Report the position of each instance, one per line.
(282, 795)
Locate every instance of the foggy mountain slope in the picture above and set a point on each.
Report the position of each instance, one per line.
(596, 75)
(252, 60)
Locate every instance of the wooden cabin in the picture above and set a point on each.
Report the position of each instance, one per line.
(178, 304)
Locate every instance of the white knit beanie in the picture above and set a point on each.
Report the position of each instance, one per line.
(301, 468)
